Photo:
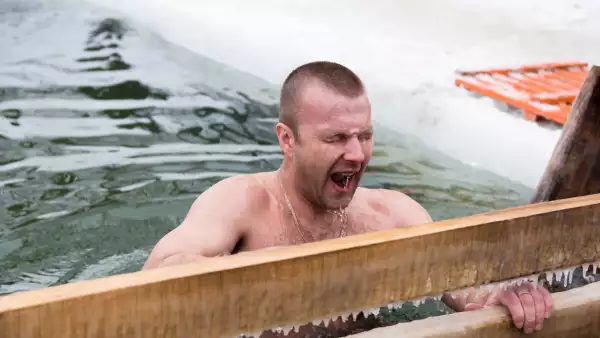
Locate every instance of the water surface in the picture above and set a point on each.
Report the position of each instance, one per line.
(108, 133)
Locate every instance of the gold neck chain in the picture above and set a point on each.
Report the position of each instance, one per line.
(341, 214)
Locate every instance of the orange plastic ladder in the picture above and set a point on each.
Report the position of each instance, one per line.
(543, 90)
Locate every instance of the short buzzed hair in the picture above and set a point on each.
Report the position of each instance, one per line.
(330, 74)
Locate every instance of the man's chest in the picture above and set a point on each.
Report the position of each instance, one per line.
(270, 233)
(282, 231)
(369, 220)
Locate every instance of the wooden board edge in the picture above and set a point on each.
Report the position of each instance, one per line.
(574, 311)
(296, 290)
(254, 258)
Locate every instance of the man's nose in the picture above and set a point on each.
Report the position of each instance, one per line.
(354, 150)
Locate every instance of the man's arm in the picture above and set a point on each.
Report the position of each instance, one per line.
(212, 226)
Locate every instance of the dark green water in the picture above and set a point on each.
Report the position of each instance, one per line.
(108, 133)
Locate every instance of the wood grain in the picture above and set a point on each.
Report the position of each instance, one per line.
(574, 168)
(248, 292)
(575, 314)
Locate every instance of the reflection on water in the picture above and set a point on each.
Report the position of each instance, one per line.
(107, 134)
(98, 160)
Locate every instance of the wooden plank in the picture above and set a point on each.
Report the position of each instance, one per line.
(552, 66)
(574, 168)
(576, 314)
(572, 171)
(543, 90)
(249, 292)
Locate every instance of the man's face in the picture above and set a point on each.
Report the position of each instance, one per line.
(333, 147)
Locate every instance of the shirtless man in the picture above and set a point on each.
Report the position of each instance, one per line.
(325, 134)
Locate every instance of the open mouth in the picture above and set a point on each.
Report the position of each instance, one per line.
(342, 180)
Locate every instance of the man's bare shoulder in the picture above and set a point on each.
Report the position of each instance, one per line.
(237, 194)
(403, 209)
(216, 221)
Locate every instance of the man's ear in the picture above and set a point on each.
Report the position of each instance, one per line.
(286, 138)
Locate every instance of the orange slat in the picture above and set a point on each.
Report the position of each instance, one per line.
(545, 90)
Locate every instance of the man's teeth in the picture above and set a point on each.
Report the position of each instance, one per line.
(346, 179)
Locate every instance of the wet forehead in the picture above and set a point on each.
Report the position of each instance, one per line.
(324, 111)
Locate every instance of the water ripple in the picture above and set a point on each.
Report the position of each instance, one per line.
(108, 134)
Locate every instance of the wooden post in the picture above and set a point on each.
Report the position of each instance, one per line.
(574, 168)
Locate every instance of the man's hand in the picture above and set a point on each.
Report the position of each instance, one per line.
(528, 304)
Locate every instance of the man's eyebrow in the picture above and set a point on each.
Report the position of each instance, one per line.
(367, 130)
(331, 133)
